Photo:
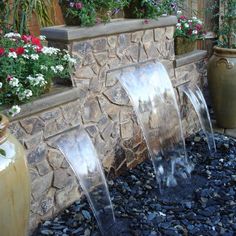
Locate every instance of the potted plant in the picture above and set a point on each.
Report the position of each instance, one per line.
(90, 12)
(28, 68)
(187, 32)
(222, 67)
(150, 9)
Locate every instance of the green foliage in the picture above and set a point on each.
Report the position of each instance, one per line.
(89, 12)
(20, 12)
(225, 14)
(190, 28)
(152, 9)
(28, 67)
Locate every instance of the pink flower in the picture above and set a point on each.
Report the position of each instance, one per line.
(79, 5)
(2, 51)
(20, 50)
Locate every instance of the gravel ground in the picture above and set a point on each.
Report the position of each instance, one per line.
(204, 204)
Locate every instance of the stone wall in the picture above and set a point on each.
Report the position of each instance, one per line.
(98, 103)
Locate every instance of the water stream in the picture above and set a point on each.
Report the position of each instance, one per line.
(155, 105)
(199, 103)
(80, 153)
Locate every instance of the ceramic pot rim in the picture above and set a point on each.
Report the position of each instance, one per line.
(225, 51)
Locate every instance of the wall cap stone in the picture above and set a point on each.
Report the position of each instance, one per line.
(116, 26)
(57, 97)
(191, 57)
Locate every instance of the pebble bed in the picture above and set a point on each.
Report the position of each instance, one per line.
(204, 204)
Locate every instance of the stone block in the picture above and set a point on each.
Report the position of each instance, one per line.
(101, 58)
(32, 125)
(99, 44)
(72, 113)
(95, 85)
(88, 59)
(37, 154)
(50, 115)
(55, 126)
(16, 130)
(55, 158)
(152, 51)
(148, 36)
(133, 52)
(66, 196)
(85, 72)
(136, 37)
(124, 41)
(41, 185)
(142, 54)
(91, 111)
(117, 95)
(33, 140)
(82, 47)
(126, 130)
(170, 32)
(112, 78)
(60, 179)
(112, 41)
(92, 130)
(159, 34)
(43, 167)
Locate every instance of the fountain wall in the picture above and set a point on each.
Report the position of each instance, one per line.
(97, 102)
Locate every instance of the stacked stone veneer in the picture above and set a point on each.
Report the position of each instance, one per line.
(99, 104)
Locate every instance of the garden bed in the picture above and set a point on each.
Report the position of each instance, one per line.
(203, 204)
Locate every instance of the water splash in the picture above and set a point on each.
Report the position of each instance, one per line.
(199, 103)
(80, 153)
(155, 105)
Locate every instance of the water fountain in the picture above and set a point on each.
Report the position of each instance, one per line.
(198, 101)
(155, 105)
(80, 153)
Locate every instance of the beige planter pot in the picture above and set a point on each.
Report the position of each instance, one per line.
(14, 185)
(222, 86)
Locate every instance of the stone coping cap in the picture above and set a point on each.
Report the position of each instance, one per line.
(58, 96)
(188, 58)
(70, 33)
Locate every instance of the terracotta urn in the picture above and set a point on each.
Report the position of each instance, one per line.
(14, 184)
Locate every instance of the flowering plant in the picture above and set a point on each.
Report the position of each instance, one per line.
(151, 9)
(28, 67)
(190, 28)
(90, 12)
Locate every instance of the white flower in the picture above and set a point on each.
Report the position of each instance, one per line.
(12, 35)
(26, 94)
(179, 12)
(70, 59)
(12, 54)
(37, 81)
(190, 21)
(43, 67)
(53, 68)
(178, 25)
(186, 25)
(0, 85)
(25, 56)
(34, 57)
(14, 110)
(60, 68)
(199, 22)
(195, 32)
(14, 82)
(194, 18)
(50, 50)
(42, 37)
